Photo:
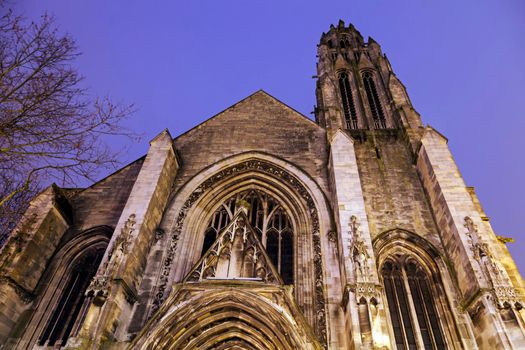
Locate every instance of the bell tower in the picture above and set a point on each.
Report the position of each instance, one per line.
(356, 87)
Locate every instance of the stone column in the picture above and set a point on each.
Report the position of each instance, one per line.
(27, 253)
(360, 277)
(467, 243)
(114, 288)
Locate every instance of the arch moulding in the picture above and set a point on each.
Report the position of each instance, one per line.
(49, 289)
(200, 195)
(400, 241)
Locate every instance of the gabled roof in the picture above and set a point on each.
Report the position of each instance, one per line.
(258, 94)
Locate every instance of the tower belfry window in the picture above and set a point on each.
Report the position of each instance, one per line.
(373, 101)
(347, 101)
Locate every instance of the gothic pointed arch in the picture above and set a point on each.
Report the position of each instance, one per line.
(418, 291)
(299, 196)
(59, 309)
(374, 99)
(213, 317)
(347, 100)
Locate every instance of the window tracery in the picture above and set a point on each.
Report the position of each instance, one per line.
(270, 222)
(374, 101)
(347, 101)
(410, 302)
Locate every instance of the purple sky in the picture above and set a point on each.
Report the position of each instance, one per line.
(181, 62)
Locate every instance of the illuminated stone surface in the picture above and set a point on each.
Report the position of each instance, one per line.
(389, 248)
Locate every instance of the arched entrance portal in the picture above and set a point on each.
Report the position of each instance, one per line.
(301, 202)
(213, 316)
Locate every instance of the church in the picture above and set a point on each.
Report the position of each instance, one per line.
(261, 229)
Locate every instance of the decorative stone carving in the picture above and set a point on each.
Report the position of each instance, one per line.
(159, 233)
(237, 253)
(503, 292)
(476, 310)
(120, 246)
(319, 290)
(332, 236)
(196, 313)
(359, 251)
(235, 170)
(369, 291)
(99, 286)
(505, 240)
(123, 240)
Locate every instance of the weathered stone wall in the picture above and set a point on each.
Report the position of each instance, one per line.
(470, 246)
(103, 202)
(392, 190)
(260, 123)
(27, 253)
(125, 261)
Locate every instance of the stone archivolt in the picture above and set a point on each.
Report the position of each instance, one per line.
(214, 313)
(231, 172)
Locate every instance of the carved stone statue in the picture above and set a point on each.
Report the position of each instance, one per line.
(491, 268)
(359, 251)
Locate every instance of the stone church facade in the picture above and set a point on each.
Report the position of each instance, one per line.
(262, 229)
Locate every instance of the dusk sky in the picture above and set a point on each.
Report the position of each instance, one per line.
(181, 62)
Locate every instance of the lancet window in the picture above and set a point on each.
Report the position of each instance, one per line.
(373, 101)
(411, 304)
(269, 220)
(347, 101)
(66, 315)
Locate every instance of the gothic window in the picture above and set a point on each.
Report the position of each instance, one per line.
(373, 101)
(65, 315)
(347, 101)
(269, 220)
(344, 43)
(411, 305)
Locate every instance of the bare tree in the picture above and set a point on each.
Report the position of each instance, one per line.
(50, 128)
